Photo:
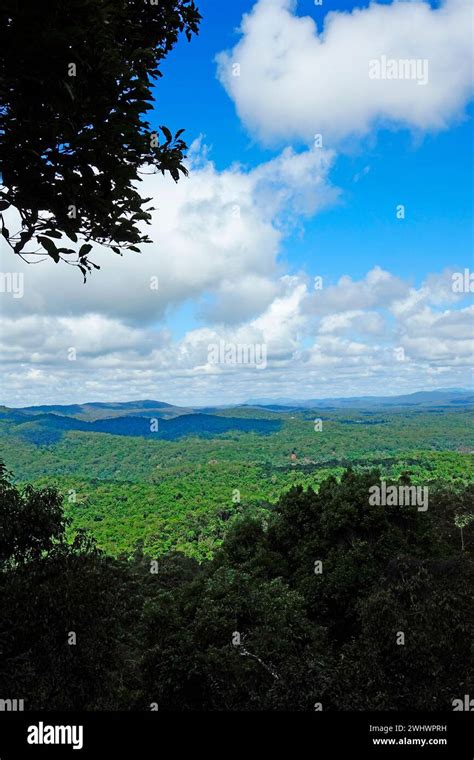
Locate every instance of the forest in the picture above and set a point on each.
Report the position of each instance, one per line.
(327, 603)
(184, 494)
(240, 571)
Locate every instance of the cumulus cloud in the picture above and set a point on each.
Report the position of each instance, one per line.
(358, 321)
(377, 288)
(213, 233)
(48, 339)
(341, 347)
(290, 81)
(440, 337)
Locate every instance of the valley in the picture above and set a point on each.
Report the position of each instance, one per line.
(182, 487)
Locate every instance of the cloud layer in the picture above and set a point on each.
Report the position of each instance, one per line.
(291, 81)
(317, 342)
(218, 238)
(212, 233)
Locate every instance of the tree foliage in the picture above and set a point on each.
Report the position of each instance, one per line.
(75, 84)
(31, 521)
(180, 494)
(256, 628)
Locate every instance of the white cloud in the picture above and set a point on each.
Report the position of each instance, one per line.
(377, 288)
(215, 233)
(358, 321)
(342, 347)
(446, 337)
(47, 339)
(297, 81)
(282, 323)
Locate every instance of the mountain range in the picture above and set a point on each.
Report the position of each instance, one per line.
(46, 424)
(442, 397)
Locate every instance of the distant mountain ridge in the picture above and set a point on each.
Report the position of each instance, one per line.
(46, 424)
(441, 397)
(96, 410)
(46, 428)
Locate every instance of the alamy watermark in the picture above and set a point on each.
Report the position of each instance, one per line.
(12, 705)
(398, 496)
(415, 69)
(46, 734)
(251, 354)
(462, 282)
(12, 282)
(466, 704)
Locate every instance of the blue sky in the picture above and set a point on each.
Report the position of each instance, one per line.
(237, 245)
(430, 173)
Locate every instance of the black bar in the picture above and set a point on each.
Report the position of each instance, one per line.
(315, 735)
